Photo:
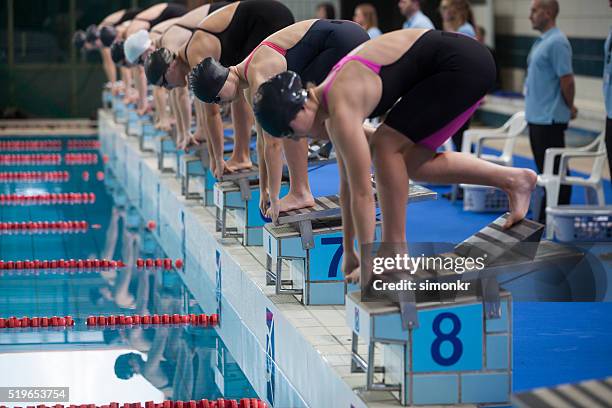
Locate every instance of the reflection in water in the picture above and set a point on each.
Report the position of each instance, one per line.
(102, 365)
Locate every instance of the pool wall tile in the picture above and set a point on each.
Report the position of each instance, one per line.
(185, 231)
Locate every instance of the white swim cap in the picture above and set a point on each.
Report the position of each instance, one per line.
(136, 45)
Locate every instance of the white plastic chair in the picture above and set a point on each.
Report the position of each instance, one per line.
(508, 132)
(551, 182)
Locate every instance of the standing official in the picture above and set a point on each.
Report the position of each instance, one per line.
(550, 88)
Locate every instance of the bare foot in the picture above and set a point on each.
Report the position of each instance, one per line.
(199, 135)
(234, 165)
(221, 168)
(183, 141)
(296, 201)
(519, 195)
(165, 125)
(193, 143)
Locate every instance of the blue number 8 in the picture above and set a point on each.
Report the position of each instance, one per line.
(450, 337)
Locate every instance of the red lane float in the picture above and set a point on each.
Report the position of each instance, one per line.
(40, 227)
(80, 158)
(78, 144)
(54, 321)
(30, 159)
(47, 199)
(203, 403)
(61, 264)
(34, 177)
(165, 263)
(165, 319)
(36, 145)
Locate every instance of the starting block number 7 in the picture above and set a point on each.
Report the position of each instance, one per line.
(332, 272)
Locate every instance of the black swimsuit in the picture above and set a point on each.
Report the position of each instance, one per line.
(172, 10)
(213, 7)
(128, 15)
(253, 21)
(433, 88)
(321, 47)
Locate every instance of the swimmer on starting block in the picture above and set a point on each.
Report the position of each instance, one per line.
(309, 48)
(171, 34)
(441, 79)
(228, 35)
(146, 20)
(101, 37)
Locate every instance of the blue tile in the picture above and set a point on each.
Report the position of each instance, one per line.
(435, 389)
(485, 388)
(501, 324)
(497, 352)
(326, 293)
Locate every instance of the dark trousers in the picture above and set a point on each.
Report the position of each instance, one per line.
(543, 137)
(609, 143)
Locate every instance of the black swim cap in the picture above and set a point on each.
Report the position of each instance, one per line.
(278, 101)
(108, 35)
(117, 53)
(79, 39)
(207, 78)
(156, 64)
(92, 33)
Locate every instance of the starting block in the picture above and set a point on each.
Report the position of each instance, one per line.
(197, 164)
(148, 133)
(239, 192)
(107, 99)
(165, 146)
(456, 356)
(192, 165)
(310, 240)
(591, 393)
(476, 364)
(133, 122)
(120, 114)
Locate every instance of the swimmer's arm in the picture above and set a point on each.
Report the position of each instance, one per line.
(126, 76)
(121, 293)
(272, 146)
(352, 146)
(263, 168)
(274, 162)
(141, 86)
(109, 65)
(261, 163)
(214, 126)
(348, 228)
(156, 353)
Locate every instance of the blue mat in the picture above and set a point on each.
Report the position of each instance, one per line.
(554, 343)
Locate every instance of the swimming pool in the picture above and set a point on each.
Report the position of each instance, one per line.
(103, 364)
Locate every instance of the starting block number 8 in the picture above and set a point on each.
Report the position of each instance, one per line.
(453, 336)
(450, 337)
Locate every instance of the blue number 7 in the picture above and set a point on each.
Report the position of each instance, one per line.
(335, 261)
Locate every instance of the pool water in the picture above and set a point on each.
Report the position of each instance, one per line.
(100, 366)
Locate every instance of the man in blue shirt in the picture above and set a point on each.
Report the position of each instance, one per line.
(549, 87)
(411, 9)
(607, 89)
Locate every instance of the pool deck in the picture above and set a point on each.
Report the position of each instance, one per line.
(310, 346)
